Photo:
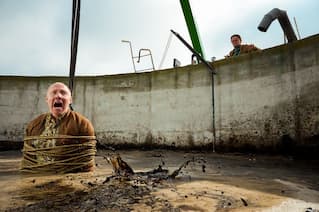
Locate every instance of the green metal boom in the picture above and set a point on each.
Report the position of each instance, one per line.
(191, 26)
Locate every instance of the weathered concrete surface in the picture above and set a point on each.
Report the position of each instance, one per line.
(270, 100)
(265, 101)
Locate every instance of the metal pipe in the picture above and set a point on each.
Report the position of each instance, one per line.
(213, 110)
(191, 25)
(150, 53)
(76, 6)
(176, 63)
(199, 57)
(296, 26)
(74, 41)
(284, 22)
(193, 60)
(129, 42)
(212, 72)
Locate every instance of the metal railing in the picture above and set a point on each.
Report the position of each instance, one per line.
(140, 56)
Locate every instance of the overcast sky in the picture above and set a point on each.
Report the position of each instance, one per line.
(35, 34)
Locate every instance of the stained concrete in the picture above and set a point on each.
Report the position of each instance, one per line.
(269, 100)
(265, 101)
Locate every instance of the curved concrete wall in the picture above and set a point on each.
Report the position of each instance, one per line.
(270, 100)
(264, 101)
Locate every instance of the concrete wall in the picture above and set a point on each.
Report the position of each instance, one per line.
(270, 100)
(264, 101)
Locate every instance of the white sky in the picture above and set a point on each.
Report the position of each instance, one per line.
(35, 34)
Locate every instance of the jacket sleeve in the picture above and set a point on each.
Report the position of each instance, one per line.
(86, 128)
(252, 47)
(36, 126)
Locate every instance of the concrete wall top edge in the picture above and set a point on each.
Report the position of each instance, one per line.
(268, 51)
(121, 75)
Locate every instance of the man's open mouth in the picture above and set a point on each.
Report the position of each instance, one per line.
(58, 105)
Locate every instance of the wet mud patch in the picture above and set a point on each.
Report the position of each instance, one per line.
(49, 190)
(118, 194)
(222, 183)
(122, 191)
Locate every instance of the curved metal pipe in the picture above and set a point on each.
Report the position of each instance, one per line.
(149, 53)
(284, 22)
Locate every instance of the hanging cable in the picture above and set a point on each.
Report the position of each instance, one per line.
(166, 49)
(74, 40)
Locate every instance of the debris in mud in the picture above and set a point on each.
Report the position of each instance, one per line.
(113, 196)
(216, 189)
(244, 202)
(121, 168)
(120, 192)
(311, 210)
(203, 168)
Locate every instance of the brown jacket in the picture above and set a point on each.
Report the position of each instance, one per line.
(72, 123)
(245, 48)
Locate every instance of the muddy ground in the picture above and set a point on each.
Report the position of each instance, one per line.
(216, 182)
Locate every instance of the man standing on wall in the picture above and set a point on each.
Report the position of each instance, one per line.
(239, 48)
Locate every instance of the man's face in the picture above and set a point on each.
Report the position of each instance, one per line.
(235, 41)
(58, 99)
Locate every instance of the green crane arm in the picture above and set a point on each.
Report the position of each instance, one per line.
(191, 26)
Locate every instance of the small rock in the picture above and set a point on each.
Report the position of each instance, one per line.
(203, 168)
(309, 210)
(244, 202)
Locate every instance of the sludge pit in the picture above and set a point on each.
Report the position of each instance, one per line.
(224, 183)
